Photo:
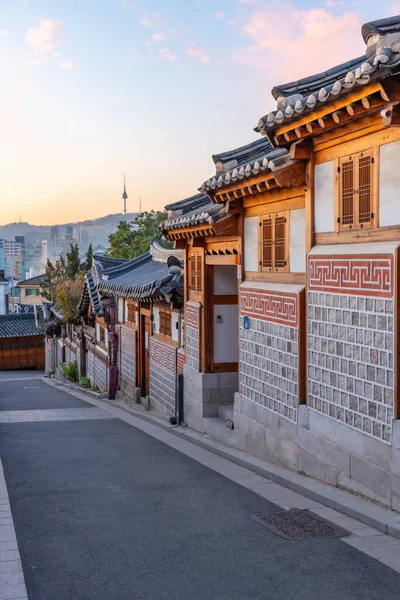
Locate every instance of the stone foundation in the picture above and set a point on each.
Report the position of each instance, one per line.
(204, 393)
(321, 448)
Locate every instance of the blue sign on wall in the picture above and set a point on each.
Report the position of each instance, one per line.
(246, 322)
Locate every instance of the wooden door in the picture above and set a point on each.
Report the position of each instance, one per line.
(146, 329)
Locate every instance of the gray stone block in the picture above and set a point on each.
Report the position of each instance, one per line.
(242, 422)
(371, 476)
(323, 449)
(314, 467)
(228, 380)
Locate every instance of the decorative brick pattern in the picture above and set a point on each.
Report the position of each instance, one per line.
(356, 275)
(90, 365)
(275, 307)
(127, 355)
(180, 360)
(269, 366)
(192, 347)
(163, 354)
(163, 375)
(192, 317)
(350, 359)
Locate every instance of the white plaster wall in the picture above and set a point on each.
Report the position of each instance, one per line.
(251, 227)
(225, 280)
(389, 185)
(324, 197)
(174, 323)
(156, 320)
(120, 310)
(297, 257)
(226, 341)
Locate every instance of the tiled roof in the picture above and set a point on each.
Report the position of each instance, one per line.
(246, 161)
(14, 325)
(381, 59)
(196, 210)
(150, 276)
(32, 281)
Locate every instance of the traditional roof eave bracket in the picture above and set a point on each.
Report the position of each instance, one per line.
(343, 110)
(391, 115)
(189, 233)
(300, 150)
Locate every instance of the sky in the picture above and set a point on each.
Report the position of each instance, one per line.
(95, 89)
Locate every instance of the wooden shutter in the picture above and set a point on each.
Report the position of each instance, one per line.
(280, 242)
(199, 270)
(162, 322)
(266, 243)
(364, 188)
(346, 192)
(167, 326)
(193, 282)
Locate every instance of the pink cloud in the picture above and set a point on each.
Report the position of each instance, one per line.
(293, 43)
(166, 54)
(46, 36)
(199, 53)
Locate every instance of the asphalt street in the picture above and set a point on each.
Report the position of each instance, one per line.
(103, 511)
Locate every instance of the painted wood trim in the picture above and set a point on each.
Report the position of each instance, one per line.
(226, 259)
(275, 207)
(302, 347)
(309, 200)
(296, 278)
(222, 299)
(225, 367)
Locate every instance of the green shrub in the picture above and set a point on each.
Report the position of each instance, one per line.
(70, 371)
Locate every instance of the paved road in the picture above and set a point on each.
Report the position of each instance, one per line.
(104, 512)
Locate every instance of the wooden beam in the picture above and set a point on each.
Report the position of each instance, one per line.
(224, 259)
(291, 176)
(355, 109)
(309, 198)
(300, 151)
(337, 116)
(391, 117)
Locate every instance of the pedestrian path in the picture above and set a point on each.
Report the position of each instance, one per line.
(114, 507)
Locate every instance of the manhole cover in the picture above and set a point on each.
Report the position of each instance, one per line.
(296, 524)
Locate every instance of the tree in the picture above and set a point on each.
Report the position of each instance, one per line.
(73, 262)
(87, 263)
(133, 239)
(53, 275)
(68, 295)
(121, 241)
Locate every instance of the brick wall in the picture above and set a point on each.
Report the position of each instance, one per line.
(269, 348)
(180, 360)
(127, 354)
(350, 340)
(192, 329)
(162, 376)
(90, 365)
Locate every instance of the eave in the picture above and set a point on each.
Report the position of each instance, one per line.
(345, 109)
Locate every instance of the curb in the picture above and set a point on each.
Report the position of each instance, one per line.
(383, 519)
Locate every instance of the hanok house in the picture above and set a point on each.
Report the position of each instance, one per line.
(148, 322)
(344, 124)
(21, 343)
(249, 226)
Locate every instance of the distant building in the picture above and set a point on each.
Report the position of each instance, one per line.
(30, 291)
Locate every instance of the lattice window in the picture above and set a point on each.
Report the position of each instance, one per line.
(102, 335)
(131, 317)
(356, 177)
(196, 273)
(274, 243)
(165, 323)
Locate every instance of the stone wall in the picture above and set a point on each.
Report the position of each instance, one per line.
(162, 376)
(192, 334)
(127, 359)
(350, 339)
(49, 349)
(90, 364)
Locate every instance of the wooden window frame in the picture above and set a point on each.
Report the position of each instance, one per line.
(273, 217)
(196, 274)
(165, 325)
(374, 191)
(130, 311)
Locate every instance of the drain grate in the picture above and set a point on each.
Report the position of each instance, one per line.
(296, 524)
